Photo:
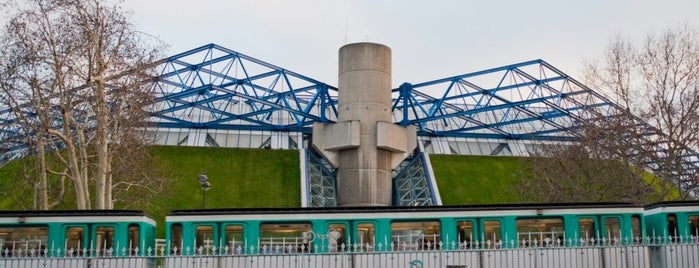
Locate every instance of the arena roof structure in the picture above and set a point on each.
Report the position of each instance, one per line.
(524, 101)
(214, 89)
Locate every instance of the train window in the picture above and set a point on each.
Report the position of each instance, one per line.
(612, 228)
(234, 238)
(104, 238)
(636, 228)
(543, 232)
(694, 225)
(672, 226)
(176, 238)
(336, 237)
(134, 237)
(586, 228)
(74, 240)
(24, 237)
(415, 235)
(365, 234)
(205, 239)
(492, 233)
(286, 237)
(465, 233)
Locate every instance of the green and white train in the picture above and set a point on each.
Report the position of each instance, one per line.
(371, 229)
(75, 233)
(353, 229)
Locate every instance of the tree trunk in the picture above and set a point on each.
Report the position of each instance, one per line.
(103, 163)
(81, 193)
(42, 189)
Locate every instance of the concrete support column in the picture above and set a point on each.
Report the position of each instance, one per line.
(364, 173)
(364, 144)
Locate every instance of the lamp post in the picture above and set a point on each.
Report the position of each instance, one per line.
(205, 186)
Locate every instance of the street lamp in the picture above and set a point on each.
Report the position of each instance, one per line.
(205, 186)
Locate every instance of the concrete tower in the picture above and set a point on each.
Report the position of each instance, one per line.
(364, 145)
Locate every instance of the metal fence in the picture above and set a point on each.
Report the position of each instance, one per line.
(650, 253)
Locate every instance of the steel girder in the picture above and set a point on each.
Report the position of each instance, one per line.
(411, 185)
(321, 186)
(214, 87)
(525, 101)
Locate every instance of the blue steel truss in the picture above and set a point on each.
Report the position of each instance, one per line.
(321, 187)
(525, 101)
(212, 87)
(411, 185)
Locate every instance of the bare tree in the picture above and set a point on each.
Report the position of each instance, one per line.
(595, 168)
(658, 80)
(77, 72)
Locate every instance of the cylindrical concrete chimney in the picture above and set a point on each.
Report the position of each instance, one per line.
(364, 173)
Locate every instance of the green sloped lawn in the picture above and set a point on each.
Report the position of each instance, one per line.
(239, 178)
(466, 180)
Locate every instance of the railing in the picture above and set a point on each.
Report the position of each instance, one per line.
(647, 252)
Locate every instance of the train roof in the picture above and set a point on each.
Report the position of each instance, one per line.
(33, 217)
(687, 203)
(488, 207)
(65, 213)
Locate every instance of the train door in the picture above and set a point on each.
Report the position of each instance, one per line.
(466, 233)
(636, 230)
(587, 230)
(611, 229)
(364, 233)
(206, 237)
(332, 236)
(102, 239)
(136, 238)
(671, 227)
(491, 232)
(75, 238)
(233, 238)
(174, 235)
(694, 226)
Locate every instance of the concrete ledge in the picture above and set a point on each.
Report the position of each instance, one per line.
(391, 137)
(330, 139)
(341, 135)
(400, 140)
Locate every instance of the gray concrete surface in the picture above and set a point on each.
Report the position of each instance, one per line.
(364, 168)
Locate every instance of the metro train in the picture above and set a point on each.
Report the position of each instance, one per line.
(427, 228)
(349, 229)
(75, 233)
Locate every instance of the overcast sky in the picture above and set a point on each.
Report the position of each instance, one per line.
(429, 39)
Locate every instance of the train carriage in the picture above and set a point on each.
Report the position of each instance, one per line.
(320, 230)
(75, 233)
(675, 220)
(673, 233)
(528, 235)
